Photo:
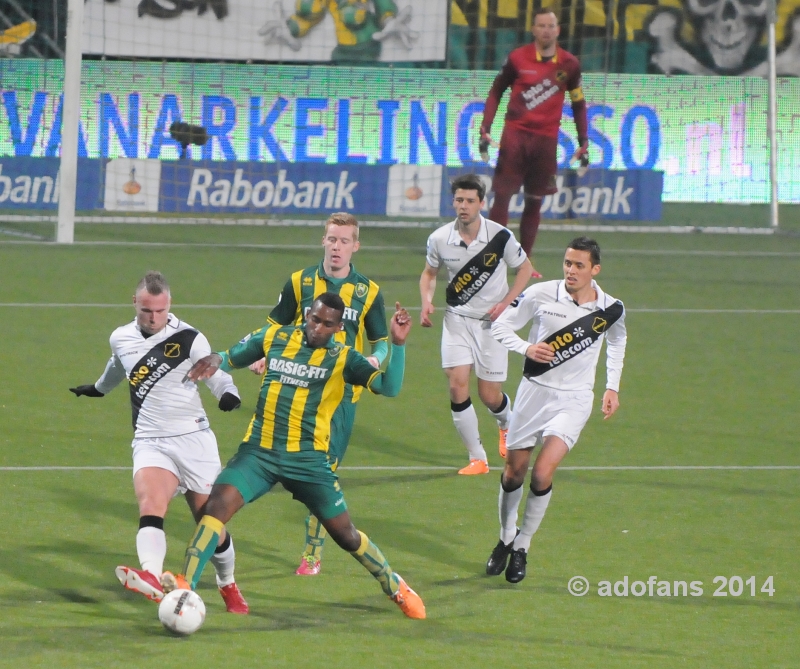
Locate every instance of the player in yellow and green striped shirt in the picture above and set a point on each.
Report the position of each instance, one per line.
(364, 321)
(288, 438)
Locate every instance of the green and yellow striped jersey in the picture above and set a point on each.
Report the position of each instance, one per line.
(364, 313)
(301, 388)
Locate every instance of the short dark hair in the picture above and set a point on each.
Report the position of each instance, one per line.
(333, 301)
(542, 11)
(469, 182)
(586, 244)
(153, 283)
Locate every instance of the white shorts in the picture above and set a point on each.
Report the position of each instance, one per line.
(541, 412)
(469, 341)
(193, 458)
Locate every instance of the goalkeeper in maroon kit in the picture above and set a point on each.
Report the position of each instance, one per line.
(539, 75)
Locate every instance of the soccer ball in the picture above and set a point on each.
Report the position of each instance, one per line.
(182, 612)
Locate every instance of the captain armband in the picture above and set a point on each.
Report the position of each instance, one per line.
(576, 94)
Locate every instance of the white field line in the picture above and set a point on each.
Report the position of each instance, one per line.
(266, 307)
(429, 224)
(620, 468)
(408, 247)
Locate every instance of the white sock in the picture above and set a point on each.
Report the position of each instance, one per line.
(223, 564)
(502, 416)
(508, 505)
(466, 422)
(535, 508)
(151, 546)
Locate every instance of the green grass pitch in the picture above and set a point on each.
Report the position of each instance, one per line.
(711, 379)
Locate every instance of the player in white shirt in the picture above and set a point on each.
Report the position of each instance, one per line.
(570, 319)
(174, 449)
(476, 253)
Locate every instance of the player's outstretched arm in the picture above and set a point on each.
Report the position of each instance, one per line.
(247, 351)
(86, 391)
(258, 367)
(112, 376)
(204, 368)
(390, 381)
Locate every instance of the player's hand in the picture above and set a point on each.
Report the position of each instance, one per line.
(401, 325)
(229, 402)
(610, 403)
(258, 366)
(483, 145)
(372, 360)
(277, 30)
(397, 26)
(88, 391)
(425, 315)
(540, 352)
(204, 368)
(495, 311)
(581, 155)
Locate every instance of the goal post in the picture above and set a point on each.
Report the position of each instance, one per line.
(68, 171)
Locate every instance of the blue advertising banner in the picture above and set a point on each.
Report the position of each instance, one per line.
(286, 188)
(33, 183)
(632, 195)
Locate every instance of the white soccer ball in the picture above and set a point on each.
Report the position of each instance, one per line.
(182, 612)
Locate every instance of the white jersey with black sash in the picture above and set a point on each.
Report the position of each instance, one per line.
(575, 332)
(477, 273)
(154, 367)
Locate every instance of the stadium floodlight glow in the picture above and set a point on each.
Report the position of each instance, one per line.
(186, 134)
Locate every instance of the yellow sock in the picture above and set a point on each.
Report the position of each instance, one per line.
(315, 537)
(201, 548)
(369, 555)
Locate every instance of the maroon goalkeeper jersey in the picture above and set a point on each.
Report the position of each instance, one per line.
(537, 90)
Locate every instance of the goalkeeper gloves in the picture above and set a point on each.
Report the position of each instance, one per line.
(89, 391)
(485, 142)
(582, 155)
(229, 402)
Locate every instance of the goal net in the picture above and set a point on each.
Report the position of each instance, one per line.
(258, 112)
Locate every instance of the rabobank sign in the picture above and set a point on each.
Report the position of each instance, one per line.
(257, 188)
(633, 195)
(34, 183)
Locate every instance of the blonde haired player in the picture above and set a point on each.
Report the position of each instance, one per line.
(364, 320)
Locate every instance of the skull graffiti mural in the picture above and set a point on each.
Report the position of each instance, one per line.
(728, 36)
(729, 28)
